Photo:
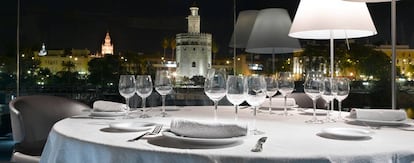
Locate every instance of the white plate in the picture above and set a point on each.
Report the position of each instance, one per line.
(377, 122)
(347, 133)
(318, 111)
(203, 141)
(106, 114)
(132, 126)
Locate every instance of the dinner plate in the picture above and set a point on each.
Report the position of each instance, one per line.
(318, 111)
(132, 126)
(203, 141)
(377, 122)
(347, 133)
(106, 114)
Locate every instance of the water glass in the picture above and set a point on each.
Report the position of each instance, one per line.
(341, 91)
(313, 88)
(286, 85)
(126, 88)
(271, 89)
(163, 86)
(255, 95)
(328, 95)
(235, 88)
(144, 89)
(215, 86)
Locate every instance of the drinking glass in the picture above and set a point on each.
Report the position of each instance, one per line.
(328, 95)
(126, 88)
(255, 94)
(163, 86)
(215, 86)
(286, 86)
(235, 91)
(341, 92)
(313, 88)
(143, 89)
(271, 89)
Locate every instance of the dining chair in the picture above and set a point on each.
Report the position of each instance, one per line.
(32, 118)
(304, 101)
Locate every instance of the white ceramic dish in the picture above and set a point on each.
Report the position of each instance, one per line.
(347, 133)
(203, 141)
(377, 122)
(132, 126)
(318, 111)
(106, 114)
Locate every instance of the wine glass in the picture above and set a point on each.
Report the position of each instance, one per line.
(271, 89)
(235, 91)
(126, 88)
(313, 88)
(286, 86)
(143, 89)
(341, 92)
(255, 94)
(328, 95)
(215, 86)
(163, 86)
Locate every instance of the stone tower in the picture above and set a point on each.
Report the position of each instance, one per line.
(193, 51)
(107, 47)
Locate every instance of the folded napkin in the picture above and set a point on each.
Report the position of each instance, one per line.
(108, 106)
(277, 102)
(378, 114)
(199, 129)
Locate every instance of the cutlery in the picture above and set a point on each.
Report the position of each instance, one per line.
(88, 117)
(259, 145)
(157, 129)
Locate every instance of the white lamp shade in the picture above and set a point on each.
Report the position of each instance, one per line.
(243, 28)
(337, 19)
(270, 33)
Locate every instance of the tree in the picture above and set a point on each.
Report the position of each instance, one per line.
(165, 44)
(68, 66)
(173, 45)
(214, 49)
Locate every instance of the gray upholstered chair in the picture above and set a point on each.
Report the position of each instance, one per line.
(304, 101)
(32, 118)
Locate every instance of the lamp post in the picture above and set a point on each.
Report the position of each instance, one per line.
(18, 50)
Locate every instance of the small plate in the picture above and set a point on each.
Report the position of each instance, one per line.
(347, 133)
(132, 126)
(377, 122)
(318, 111)
(203, 141)
(106, 114)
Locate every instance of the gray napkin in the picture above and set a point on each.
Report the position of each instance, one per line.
(200, 129)
(107, 106)
(378, 114)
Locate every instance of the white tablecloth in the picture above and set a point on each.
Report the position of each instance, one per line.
(289, 140)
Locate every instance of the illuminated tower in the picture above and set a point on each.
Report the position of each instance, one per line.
(193, 48)
(107, 47)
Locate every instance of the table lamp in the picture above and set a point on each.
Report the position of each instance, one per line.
(332, 19)
(269, 34)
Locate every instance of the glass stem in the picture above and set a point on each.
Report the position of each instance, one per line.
(254, 119)
(340, 110)
(314, 109)
(270, 104)
(215, 110)
(285, 109)
(127, 105)
(236, 111)
(327, 110)
(143, 105)
(163, 104)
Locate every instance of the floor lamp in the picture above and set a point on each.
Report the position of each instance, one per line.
(393, 45)
(242, 30)
(270, 34)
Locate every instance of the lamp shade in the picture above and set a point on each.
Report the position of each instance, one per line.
(270, 33)
(337, 19)
(243, 28)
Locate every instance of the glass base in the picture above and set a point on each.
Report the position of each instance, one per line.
(256, 132)
(164, 114)
(314, 121)
(286, 114)
(144, 116)
(329, 120)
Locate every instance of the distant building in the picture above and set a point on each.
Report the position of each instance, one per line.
(404, 56)
(55, 59)
(107, 46)
(193, 49)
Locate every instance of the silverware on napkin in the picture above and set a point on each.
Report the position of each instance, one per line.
(259, 145)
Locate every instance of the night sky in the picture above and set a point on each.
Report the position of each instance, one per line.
(140, 26)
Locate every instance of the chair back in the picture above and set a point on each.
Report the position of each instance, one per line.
(32, 118)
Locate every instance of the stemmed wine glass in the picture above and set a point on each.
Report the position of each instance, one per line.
(255, 94)
(271, 89)
(144, 89)
(215, 86)
(163, 86)
(235, 91)
(126, 88)
(341, 92)
(328, 95)
(286, 86)
(313, 88)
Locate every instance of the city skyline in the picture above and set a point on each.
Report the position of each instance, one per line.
(142, 27)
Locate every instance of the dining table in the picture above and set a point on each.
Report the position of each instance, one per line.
(288, 139)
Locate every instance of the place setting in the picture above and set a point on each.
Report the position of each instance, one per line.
(378, 118)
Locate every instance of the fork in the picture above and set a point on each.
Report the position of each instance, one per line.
(157, 129)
